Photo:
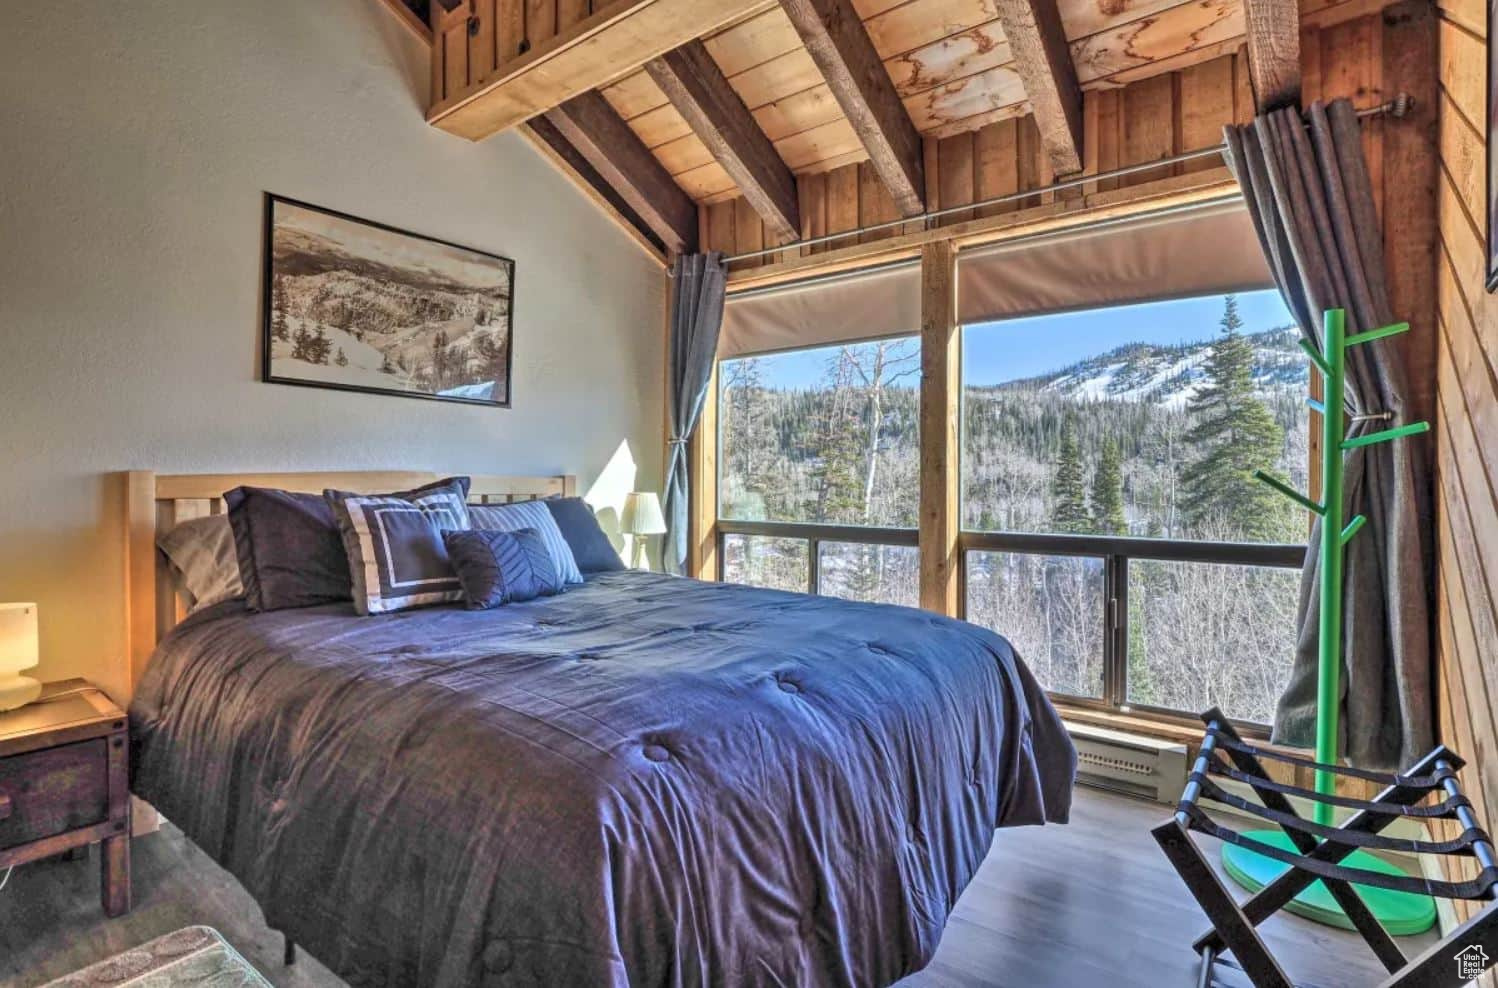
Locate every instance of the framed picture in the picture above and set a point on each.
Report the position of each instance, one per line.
(1492, 135)
(360, 306)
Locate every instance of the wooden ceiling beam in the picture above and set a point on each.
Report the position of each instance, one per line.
(597, 133)
(602, 48)
(1273, 52)
(547, 139)
(1043, 59)
(840, 46)
(701, 93)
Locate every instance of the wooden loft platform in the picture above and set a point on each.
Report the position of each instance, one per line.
(663, 110)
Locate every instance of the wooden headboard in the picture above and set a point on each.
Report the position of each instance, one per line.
(156, 502)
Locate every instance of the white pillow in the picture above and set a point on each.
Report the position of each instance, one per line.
(205, 566)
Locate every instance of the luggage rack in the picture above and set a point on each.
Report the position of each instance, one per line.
(1430, 790)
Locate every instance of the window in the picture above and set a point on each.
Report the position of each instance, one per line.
(819, 460)
(1112, 527)
(1051, 610)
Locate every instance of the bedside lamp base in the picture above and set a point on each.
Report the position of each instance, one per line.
(17, 691)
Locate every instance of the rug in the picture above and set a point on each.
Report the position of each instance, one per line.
(197, 957)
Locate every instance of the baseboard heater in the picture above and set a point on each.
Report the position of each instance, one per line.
(1132, 764)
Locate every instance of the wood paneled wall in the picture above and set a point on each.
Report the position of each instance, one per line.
(506, 28)
(1135, 124)
(1466, 434)
(1367, 59)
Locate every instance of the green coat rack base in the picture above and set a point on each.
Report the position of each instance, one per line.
(1403, 914)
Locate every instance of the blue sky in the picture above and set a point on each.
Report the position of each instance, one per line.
(1020, 348)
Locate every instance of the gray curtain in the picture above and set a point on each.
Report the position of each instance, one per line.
(1308, 190)
(699, 285)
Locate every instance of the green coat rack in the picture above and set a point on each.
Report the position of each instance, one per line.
(1401, 913)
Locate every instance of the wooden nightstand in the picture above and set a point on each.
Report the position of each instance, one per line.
(64, 783)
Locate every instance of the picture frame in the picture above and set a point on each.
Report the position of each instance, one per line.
(351, 304)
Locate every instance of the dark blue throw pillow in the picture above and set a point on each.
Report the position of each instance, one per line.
(590, 546)
(502, 567)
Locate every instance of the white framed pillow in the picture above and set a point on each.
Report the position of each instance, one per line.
(397, 559)
(530, 514)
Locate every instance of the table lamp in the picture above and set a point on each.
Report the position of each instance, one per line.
(18, 651)
(641, 519)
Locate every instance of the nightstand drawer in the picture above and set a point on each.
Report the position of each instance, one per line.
(53, 791)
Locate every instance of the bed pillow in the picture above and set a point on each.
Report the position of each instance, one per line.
(590, 547)
(205, 564)
(502, 567)
(396, 556)
(288, 548)
(530, 514)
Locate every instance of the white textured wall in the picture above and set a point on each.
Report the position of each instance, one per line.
(136, 142)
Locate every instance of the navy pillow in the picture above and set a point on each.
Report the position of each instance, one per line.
(290, 552)
(502, 567)
(289, 548)
(590, 546)
(395, 550)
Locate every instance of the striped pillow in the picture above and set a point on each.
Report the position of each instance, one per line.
(502, 567)
(530, 514)
(394, 544)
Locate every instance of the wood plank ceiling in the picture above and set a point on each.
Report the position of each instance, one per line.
(776, 90)
(950, 62)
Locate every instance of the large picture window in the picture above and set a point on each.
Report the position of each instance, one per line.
(819, 461)
(1111, 528)
(1114, 530)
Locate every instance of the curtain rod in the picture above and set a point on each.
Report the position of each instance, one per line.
(1162, 212)
(1397, 107)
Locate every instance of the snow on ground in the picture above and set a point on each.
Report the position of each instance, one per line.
(1166, 378)
(473, 392)
(364, 361)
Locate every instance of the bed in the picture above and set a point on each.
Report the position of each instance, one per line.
(645, 781)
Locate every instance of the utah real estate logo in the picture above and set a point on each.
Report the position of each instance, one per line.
(1471, 962)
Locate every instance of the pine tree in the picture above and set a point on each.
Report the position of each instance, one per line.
(744, 407)
(440, 359)
(302, 347)
(840, 441)
(278, 305)
(1234, 435)
(342, 359)
(386, 367)
(1068, 490)
(1107, 493)
(320, 347)
(491, 356)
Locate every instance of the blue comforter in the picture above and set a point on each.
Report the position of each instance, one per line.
(647, 781)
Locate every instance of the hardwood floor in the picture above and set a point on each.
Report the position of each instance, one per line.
(1092, 903)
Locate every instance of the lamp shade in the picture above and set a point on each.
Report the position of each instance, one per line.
(19, 648)
(642, 515)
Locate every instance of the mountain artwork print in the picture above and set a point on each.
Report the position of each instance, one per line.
(358, 306)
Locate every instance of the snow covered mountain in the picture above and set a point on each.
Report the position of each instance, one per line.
(386, 327)
(1169, 376)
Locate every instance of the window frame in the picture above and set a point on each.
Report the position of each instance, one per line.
(813, 534)
(1116, 551)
